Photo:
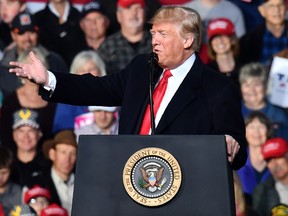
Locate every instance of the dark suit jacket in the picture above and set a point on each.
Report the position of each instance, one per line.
(205, 103)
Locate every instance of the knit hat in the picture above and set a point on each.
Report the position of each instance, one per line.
(36, 191)
(220, 26)
(128, 3)
(22, 210)
(25, 117)
(63, 137)
(275, 147)
(93, 6)
(280, 210)
(102, 108)
(54, 210)
(23, 22)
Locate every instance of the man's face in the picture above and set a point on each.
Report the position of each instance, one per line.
(94, 25)
(132, 17)
(25, 41)
(4, 177)
(103, 119)
(64, 158)
(166, 43)
(273, 11)
(9, 9)
(279, 167)
(26, 138)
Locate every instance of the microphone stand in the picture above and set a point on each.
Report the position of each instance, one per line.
(152, 62)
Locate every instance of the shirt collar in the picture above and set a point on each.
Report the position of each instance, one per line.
(181, 71)
(57, 178)
(54, 11)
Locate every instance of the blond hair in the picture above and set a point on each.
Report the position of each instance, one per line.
(187, 20)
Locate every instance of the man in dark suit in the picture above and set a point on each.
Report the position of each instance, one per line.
(197, 100)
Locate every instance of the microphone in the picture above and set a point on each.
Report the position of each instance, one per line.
(152, 62)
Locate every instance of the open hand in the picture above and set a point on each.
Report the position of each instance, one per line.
(35, 71)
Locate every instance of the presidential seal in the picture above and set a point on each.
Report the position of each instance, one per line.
(152, 176)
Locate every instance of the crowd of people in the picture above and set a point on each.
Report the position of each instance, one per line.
(99, 38)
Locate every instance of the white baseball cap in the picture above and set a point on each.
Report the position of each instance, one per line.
(102, 108)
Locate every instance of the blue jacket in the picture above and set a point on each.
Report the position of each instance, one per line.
(248, 176)
(65, 115)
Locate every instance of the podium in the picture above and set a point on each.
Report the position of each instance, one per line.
(206, 176)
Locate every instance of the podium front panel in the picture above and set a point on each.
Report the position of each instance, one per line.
(206, 187)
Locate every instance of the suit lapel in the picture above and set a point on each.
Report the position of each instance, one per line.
(186, 93)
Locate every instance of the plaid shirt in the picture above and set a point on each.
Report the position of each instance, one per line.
(272, 45)
(117, 52)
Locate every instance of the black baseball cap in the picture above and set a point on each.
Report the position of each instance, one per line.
(23, 22)
(93, 6)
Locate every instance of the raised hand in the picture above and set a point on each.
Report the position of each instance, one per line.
(35, 71)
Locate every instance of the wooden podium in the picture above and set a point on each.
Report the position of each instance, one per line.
(206, 186)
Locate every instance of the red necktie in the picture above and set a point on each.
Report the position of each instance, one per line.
(158, 95)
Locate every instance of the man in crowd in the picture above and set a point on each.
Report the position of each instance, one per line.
(274, 190)
(25, 35)
(59, 180)
(37, 197)
(94, 23)
(132, 39)
(26, 134)
(59, 29)
(8, 10)
(10, 193)
(268, 38)
(105, 121)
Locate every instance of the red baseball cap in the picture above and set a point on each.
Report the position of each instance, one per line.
(54, 210)
(220, 26)
(36, 191)
(128, 3)
(275, 147)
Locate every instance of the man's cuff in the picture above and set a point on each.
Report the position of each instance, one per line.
(51, 83)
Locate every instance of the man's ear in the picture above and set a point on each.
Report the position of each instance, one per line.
(107, 22)
(23, 7)
(188, 41)
(52, 153)
(119, 15)
(13, 35)
(262, 10)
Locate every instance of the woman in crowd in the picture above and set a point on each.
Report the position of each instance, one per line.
(258, 130)
(83, 63)
(253, 81)
(223, 48)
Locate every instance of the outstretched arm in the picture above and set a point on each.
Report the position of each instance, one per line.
(34, 71)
